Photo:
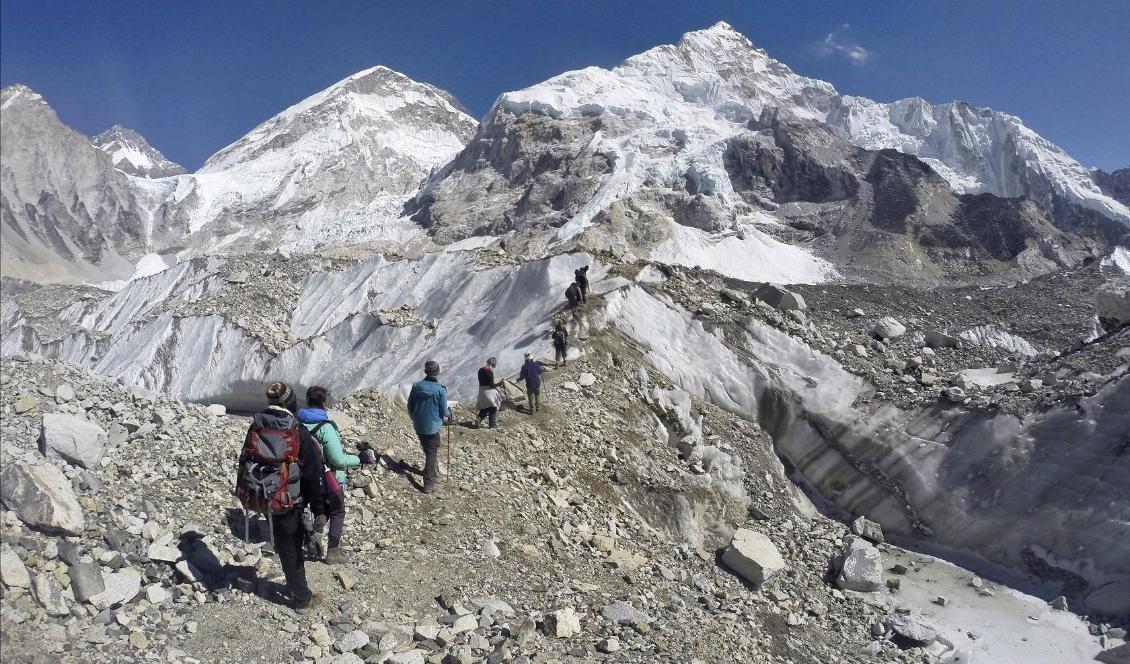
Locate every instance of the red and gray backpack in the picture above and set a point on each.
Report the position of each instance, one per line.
(269, 478)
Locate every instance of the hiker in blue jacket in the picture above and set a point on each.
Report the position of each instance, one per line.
(531, 373)
(326, 432)
(427, 404)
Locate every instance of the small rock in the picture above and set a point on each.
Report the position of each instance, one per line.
(780, 298)
(623, 613)
(586, 380)
(1059, 603)
(888, 328)
(49, 593)
(121, 587)
(138, 640)
(867, 529)
(12, 570)
(939, 340)
(77, 440)
(753, 556)
(351, 641)
(910, 627)
(490, 549)
(609, 645)
(64, 393)
(217, 410)
(26, 403)
(564, 623)
(157, 594)
(86, 580)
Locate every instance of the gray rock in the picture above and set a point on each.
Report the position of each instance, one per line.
(780, 298)
(623, 613)
(121, 587)
(12, 570)
(1112, 304)
(1112, 598)
(862, 567)
(868, 530)
(156, 594)
(351, 641)
(42, 497)
(586, 380)
(564, 623)
(86, 580)
(73, 438)
(49, 593)
(910, 627)
(1119, 655)
(939, 340)
(217, 410)
(888, 328)
(64, 393)
(25, 403)
(408, 657)
(609, 645)
(753, 556)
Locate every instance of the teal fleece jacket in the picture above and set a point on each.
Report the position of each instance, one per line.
(334, 454)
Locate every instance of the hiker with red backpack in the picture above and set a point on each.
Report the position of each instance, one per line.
(280, 474)
(328, 436)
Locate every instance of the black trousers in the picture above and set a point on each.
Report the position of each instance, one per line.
(491, 413)
(289, 535)
(335, 509)
(430, 443)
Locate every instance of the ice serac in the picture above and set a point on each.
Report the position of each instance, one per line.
(132, 154)
(334, 169)
(66, 214)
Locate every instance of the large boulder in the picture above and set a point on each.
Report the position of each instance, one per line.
(780, 298)
(1119, 655)
(862, 567)
(753, 556)
(1112, 304)
(79, 441)
(1111, 599)
(42, 497)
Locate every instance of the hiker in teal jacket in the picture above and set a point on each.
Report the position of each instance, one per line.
(427, 405)
(325, 431)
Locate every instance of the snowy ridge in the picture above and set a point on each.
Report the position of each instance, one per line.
(132, 154)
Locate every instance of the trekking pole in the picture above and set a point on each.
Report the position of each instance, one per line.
(448, 427)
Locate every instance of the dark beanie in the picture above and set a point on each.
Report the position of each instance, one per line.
(431, 368)
(278, 394)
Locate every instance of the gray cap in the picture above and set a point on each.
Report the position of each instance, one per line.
(431, 368)
(492, 361)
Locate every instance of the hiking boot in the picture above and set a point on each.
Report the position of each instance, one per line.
(335, 556)
(302, 607)
(429, 487)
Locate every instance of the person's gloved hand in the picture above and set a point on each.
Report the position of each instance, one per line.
(368, 456)
(320, 522)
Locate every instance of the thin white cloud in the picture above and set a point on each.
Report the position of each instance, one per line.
(838, 43)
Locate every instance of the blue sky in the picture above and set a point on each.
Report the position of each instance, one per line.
(194, 76)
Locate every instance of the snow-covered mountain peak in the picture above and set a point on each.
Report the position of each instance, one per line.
(20, 94)
(373, 110)
(132, 154)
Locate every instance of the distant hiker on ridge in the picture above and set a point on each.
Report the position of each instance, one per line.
(581, 278)
(280, 472)
(489, 397)
(531, 373)
(573, 295)
(427, 404)
(325, 431)
(560, 342)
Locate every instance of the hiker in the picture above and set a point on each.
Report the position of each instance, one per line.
(328, 436)
(489, 397)
(427, 404)
(267, 486)
(560, 340)
(581, 278)
(573, 296)
(531, 373)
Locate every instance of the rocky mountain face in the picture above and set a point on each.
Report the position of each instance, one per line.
(1116, 184)
(65, 212)
(133, 155)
